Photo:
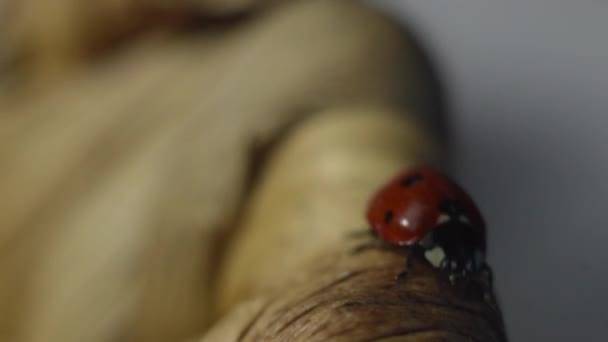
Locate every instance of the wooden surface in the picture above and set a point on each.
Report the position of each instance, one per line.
(185, 176)
(293, 262)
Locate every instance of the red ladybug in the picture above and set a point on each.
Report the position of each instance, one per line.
(424, 210)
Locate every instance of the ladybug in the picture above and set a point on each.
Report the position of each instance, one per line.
(425, 211)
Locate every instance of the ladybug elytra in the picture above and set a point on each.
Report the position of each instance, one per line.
(423, 209)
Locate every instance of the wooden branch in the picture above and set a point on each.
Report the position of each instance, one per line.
(294, 262)
(356, 298)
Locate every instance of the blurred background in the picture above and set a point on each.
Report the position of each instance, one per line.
(527, 83)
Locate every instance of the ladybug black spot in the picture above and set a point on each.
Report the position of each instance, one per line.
(388, 216)
(450, 207)
(411, 180)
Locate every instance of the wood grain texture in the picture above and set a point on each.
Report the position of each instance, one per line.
(356, 298)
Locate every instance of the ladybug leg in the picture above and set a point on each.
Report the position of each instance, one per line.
(409, 263)
(452, 268)
(401, 277)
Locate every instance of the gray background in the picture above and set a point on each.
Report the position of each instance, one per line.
(528, 83)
